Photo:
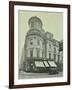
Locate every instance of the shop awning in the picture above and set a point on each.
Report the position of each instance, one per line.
(39, 64)
(46, 64)
(52, 64)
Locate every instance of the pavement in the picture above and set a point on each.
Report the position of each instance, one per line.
(28, 75)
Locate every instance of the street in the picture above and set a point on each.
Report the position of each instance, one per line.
(28, 75)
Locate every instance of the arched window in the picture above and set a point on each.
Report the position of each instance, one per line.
(31, 41)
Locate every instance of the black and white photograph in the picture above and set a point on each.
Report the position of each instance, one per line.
(42, 54)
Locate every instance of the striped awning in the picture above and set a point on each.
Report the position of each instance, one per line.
(39, 64)
(46, 64)
(52, 64)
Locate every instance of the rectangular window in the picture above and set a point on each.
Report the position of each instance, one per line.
(49, 46)
(54, 50)
(38, 42)
(31, 43)
(38, 53)
(58, 58)
(31, 53)
(49, 55)
(54, 56)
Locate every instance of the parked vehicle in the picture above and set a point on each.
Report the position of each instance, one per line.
(53, 71)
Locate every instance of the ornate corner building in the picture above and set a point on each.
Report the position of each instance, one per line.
(41, 50)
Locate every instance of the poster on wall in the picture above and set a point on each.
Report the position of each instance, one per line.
(39, 44)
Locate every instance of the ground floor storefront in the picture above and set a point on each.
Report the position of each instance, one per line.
(39, 65)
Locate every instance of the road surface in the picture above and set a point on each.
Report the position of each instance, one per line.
(28, 75)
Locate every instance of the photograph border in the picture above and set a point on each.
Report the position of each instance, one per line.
(11, 43)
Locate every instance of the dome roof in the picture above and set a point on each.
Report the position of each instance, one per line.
(35, 19)
(35, 27)
(35, 23)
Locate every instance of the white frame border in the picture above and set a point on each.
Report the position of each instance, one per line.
(41, 80)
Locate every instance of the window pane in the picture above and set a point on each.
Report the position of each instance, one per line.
(38, 42)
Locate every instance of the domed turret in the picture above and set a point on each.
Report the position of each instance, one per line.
(35, 23)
